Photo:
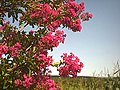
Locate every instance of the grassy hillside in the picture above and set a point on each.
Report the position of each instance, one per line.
(88, 83)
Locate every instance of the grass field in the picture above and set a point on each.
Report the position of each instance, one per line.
(110, 82)
(89, 83)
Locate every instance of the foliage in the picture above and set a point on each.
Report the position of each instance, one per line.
(24, 60)
(89, 83)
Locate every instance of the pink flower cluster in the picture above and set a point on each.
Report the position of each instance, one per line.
(3, 50)
(44, 83)
(54, 25)
(47, 60)
(27, 82)
(66, 14)
(18, 82)
(86, 16)
(71, 17)
(48, 84)
(44, 13)
(51, 40)
(71, 65)
(43, 10)
(15, 49)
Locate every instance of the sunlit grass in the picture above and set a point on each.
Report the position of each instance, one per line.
(89, 83)
(110, 82)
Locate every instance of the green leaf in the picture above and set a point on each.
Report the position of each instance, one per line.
(9, 14)
(6, 75)
(4, 86)
(29, 72)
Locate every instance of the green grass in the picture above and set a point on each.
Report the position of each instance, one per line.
(88, 83)
(111, 82)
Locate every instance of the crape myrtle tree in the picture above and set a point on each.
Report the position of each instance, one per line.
(24, 59)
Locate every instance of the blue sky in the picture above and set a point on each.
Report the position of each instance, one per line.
(98, 44)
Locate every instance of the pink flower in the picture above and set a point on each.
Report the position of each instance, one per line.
(47, 60)
(15, 49)
(47, 8)
(17, 45)
(86, 16)
(31, 31)
(59, 32)
(18, 82)
(53, 88)
(54, 25)
(27, 81)
(81, 6)
(89, 15)
(49, 84)
(72, 12)
(3, 50)
(71, 65)
(76, 25)
(52, 39)
(2, 28)
(64, 71)
(55, 13)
